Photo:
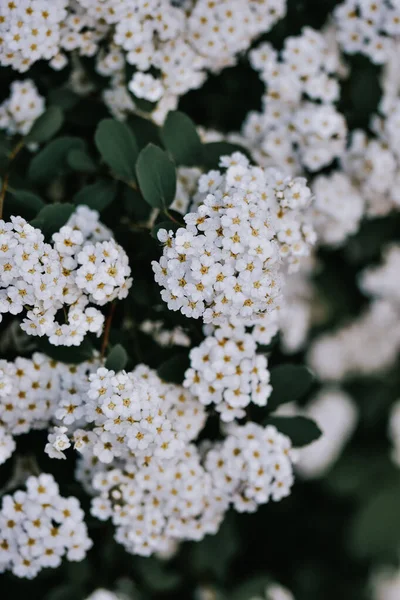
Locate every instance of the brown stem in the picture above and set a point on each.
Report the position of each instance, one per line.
(3, 193)
(4, 187)
(107, 330)
(166, 211)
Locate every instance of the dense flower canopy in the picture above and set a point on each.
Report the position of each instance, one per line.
(200, 299)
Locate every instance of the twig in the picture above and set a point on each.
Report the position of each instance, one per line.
(107, 330)
(168, 214)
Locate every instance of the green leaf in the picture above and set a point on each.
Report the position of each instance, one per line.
(66, 354)
(301, 430)
(181, 139)
(118, 148)
(27, 203)
(157, 177)
(79, 160)
(289, 383)
(144, 130)
(51, 160)
(376, 527)
(212, 152)
(46, 125)
(173, 369)
(52, 217)
(117, 359)
(98, 195)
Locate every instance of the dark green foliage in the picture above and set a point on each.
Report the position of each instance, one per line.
(117, 358)
(289, 383)
(156, 176)
(118, 148)
(301, 430)
(97, 195)
(181, 139)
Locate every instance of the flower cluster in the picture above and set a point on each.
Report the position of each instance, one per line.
(292, 132)
(372, 166)
(73, 272)
(39, 527)
(30, 30)
(32, 392)
(182, 43)
(226, 262)
(152, 503)
(22, 108)
(347, 351)
(337, 209)
(368, 27)
(383, 281)
(130, 415)
(251, 466)
(227, 371)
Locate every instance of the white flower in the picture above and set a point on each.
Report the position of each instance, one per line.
(145, 86)
(225, 263)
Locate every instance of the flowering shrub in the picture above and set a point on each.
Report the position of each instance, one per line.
(199, 299)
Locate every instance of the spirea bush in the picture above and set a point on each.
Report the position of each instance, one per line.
(200, 299)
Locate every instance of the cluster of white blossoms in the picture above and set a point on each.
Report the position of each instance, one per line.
(30, 30)
(372, 166)
(21, 109)
(124, 415)
(77, 269)
(227, 371)
(368, 27)
(28, 396)
(292, 131)
(373, 162)
(383, 280)
(252, 466)
(39, 527)
(227, 261)
(35, 391)
(152, 503)
(181, 42)
(347, 351)
(337, 209)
